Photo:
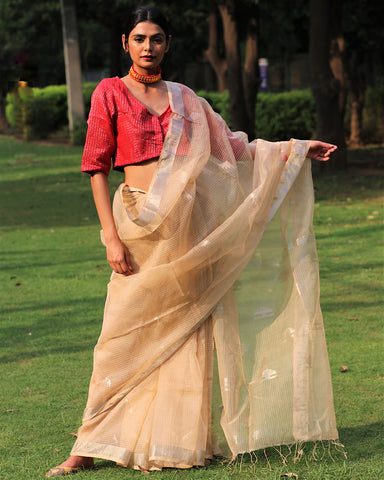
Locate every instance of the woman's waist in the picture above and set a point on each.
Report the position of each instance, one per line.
(140, 175)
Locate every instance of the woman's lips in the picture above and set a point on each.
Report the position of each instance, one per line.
(147, 57)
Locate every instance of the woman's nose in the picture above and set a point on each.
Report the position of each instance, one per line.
(147, 44)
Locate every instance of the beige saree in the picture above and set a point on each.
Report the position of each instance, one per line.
(211, 210)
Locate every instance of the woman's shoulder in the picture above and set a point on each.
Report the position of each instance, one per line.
(108, 85)
(106, 95)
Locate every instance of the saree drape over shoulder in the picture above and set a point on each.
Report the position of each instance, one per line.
(211, 213)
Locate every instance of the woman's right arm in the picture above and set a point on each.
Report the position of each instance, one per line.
(117, 252)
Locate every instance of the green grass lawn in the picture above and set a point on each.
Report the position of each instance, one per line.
(53, 275)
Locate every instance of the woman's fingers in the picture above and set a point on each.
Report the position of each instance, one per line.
(320, 150)
(119, 259)
(127, 267)
(327, 150)
(121, 267)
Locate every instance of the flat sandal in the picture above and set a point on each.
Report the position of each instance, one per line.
(59, 471)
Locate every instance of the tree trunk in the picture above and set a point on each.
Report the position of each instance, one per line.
(72, 63)
(324, 85)
(251, 75)
(338, 60)
(357, 104)
(239, 114)
(357, 90)
(218, 63)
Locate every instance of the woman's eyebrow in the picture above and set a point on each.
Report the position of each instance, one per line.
(140, 35)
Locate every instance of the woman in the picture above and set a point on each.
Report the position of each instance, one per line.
(194, 206)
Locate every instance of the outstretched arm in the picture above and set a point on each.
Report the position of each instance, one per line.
(317, 150)
(320, 150)
(117, 252)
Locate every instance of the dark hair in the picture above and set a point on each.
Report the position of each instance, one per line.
(146, 14)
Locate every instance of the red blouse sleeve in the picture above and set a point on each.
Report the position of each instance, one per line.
(100, 144)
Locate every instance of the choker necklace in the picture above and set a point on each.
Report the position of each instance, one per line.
(145, 78)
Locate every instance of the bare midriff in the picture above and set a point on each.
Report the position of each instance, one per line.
(140, 175)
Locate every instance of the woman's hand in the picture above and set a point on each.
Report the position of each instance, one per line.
(117, 253)
(118, 257)
(320, 151)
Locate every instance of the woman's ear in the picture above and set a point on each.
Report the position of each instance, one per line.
(124, 41)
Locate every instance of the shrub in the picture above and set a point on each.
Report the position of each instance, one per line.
(19, 110)
(47, 110)
(13, 110)
(280, 116)
(219, 102)
(88, 89)
(79, 133)
(373, 115)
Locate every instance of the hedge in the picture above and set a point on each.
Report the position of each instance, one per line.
(373, 115)
(41, 111)
(279, 116)
(37, 113)
(219, 102)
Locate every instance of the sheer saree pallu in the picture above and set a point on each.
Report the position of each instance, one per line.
(203, 220)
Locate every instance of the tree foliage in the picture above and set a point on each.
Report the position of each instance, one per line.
(26, 53)
(31, 40)
(31, 47)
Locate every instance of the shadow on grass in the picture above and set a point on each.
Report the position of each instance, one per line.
(10, 261)
(47, 197)
(54, 348)
(50, 332)
(329, 306)
(360, 442)
(103, 465)
(348, 267)
(363, 441)
(350, 232)
(46, 201)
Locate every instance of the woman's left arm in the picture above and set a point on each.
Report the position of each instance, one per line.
(317, 150)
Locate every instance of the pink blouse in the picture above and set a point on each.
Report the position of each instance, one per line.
(121, 129)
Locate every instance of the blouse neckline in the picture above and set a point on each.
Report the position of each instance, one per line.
(130, 94)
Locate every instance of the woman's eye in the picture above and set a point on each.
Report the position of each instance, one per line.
(158, 41)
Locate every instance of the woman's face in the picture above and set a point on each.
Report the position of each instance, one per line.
(146, 44)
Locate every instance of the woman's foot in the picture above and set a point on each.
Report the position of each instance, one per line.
(72, 465)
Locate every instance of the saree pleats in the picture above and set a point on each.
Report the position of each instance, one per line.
(192, 239)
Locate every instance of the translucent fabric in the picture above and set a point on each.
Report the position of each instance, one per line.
(210, 211)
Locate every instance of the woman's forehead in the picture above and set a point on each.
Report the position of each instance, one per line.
(148, 29)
